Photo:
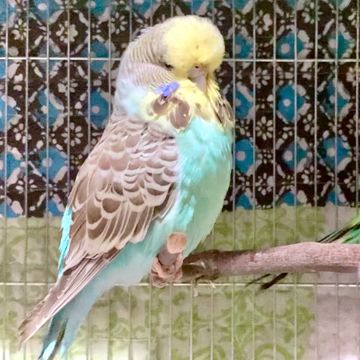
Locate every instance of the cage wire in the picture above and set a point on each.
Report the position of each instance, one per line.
(292, 74)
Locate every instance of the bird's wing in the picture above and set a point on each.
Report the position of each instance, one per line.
(126, 183)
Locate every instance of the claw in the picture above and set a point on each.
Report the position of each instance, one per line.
(167, 265)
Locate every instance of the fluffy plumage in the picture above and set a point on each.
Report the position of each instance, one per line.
(162, 166)
(190, 41)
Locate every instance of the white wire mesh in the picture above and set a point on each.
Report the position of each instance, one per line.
(305, 318)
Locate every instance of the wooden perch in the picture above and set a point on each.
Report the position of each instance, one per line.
(297, 258)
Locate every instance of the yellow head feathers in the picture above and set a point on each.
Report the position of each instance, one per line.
(192, 40)
(185, 50)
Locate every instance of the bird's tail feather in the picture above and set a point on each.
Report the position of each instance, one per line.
(348, 234)
(66, 288)
(36, 318)
(53, 340)
(65, 324)
(66, 316)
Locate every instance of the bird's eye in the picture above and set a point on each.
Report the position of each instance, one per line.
(168, 66)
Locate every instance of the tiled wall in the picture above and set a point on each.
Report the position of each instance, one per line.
(292, 74)
(293, 79)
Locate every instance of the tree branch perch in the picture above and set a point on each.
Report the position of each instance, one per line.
(296, 258)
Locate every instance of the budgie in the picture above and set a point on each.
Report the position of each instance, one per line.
(153, 186)
(349, 234)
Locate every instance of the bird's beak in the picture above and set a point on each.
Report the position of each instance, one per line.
(197, 74)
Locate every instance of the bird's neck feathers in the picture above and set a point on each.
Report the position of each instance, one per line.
(137, 88)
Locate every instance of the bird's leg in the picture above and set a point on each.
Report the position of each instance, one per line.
(167, 265)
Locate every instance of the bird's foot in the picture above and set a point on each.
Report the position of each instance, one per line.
(167, 265)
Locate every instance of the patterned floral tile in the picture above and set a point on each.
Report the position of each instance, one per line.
(37, 20)
(330, 302)
(161, 306)
(140, 16)
(202, 319)
(346, 141)
(100, 98)
(79, 130)
(202, 8)
(334, 150)
(140, 305)
(99, 22)
(114, 67)
(36, 139)
(3, 107)
(244, 147)
(3, 20)
(15, 253)
(120, 27)
(127, 319)
(58, 110)
(337, 29)
(41, 241)
(58, 24)
(243, 29)
(181, 7)
(66, 118)
(79, 30)
(285, 13)
(305, 151)
(264, 32)
(285, 128)
(347, 27)
(264, 135)
(161, 11)
(223, 18)
(17, 28)
(11, 316)
(326, 29)
(306, 29)
(16, 139)
(112, 24)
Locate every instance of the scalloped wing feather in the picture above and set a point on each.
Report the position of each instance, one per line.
(126, 183)
(121, 189)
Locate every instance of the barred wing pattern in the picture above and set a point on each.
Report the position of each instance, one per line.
(127, 181)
